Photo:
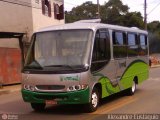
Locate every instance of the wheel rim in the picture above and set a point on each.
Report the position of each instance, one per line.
(94, 100)
(133, 87)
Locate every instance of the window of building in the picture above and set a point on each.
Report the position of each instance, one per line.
(143, 44)
(46, 8)
(132, 44)
(37, 1)
(119, 44)
(58, 11)
(101, 50)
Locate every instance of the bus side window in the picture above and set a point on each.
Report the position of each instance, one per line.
(119, 44)
(101, 50)
(142, 45)
(132, 44)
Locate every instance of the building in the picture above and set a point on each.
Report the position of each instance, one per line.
(23, 16)
(27, 16)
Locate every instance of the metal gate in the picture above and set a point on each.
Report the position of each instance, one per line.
(10, 57)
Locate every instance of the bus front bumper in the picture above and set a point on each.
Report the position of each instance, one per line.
(76, 97)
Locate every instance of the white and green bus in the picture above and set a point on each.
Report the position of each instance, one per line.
(82, 62)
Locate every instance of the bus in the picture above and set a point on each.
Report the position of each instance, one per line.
(83, 62)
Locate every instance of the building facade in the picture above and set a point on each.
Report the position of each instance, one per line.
(27, 16)
(23, 16)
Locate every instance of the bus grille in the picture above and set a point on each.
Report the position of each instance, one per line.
(50, 87)
(50, 97)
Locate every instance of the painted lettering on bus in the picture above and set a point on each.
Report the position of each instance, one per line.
(69, 78)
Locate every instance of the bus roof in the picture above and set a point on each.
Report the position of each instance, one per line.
(93, 26)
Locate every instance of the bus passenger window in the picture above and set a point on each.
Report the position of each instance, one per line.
(132, 44)
(101, 50)
(143, 45)
(119, 44)
(118, 38)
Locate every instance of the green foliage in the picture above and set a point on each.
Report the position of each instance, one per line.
(133, 19)
(154, 26)
(112, 12)
(154, 36)
(85, 11)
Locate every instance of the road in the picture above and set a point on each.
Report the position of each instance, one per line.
(146, 100)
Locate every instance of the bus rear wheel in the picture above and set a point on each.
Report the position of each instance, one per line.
(94, 103)
(38, 106)
(133, 88)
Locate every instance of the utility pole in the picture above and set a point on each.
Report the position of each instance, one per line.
(145, 14)
(98, 9)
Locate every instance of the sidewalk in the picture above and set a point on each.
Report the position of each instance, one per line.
(10, 89)
(154, 66)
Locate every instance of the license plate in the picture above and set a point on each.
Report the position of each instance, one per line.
(51, 102)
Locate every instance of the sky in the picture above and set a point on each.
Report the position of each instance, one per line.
(153, 7)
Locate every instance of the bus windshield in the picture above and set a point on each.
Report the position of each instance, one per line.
(60, 48)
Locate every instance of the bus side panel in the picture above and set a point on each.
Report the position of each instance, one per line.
(137, 69)
(107, 88)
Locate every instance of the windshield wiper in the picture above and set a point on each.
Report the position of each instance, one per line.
(68, 66)
(33, 65)
(65, 66)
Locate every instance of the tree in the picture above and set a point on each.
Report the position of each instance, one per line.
(133, 19)
(154, 36)
(154, 42)
(154, 26)
(112, 12)
(85, 11)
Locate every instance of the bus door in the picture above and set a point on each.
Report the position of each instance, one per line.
(101, 54)
(119, 54)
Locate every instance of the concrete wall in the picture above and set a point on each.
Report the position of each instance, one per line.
(40, 20)
(16, 16)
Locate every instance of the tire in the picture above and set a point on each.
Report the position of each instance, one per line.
(38, 106)
(94, 103)
(132, 89)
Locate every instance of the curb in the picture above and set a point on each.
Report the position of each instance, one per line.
(7, 90)
(4, 91)
(155, 66)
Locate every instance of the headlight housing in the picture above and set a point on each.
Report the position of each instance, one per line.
(29, 87)
(77, 87)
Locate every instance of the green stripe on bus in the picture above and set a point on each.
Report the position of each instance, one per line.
(137, 68)
(76, 97)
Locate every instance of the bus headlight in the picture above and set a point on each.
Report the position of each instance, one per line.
(29, 87)
(77, 87)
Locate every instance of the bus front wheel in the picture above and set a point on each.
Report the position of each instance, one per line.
(93, 105)
(38, 106)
